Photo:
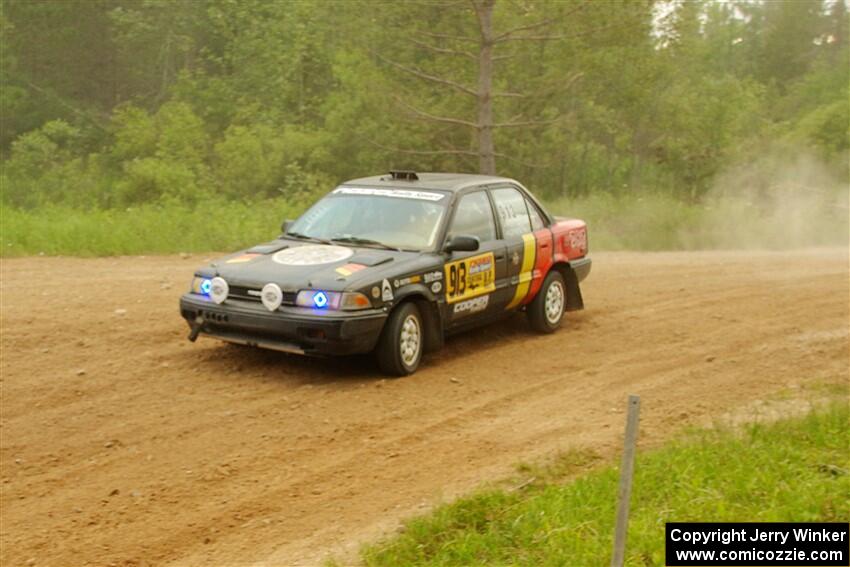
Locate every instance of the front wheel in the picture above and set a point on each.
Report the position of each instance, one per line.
(546, 310)
(400, 347)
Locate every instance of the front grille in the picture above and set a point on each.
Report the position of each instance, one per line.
(253, 294)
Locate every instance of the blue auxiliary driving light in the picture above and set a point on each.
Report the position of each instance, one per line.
(206, 286)
(320, 299)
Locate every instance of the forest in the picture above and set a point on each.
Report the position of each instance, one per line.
(643, 115)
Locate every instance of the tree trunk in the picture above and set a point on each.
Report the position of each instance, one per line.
(486, 151)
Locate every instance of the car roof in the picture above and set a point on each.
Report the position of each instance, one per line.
(442, 181)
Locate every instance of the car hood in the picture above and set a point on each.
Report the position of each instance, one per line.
(295, 265)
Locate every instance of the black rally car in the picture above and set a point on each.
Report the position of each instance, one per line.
(391, 264)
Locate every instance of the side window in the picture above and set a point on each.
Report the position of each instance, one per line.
(474, 217)
(536, 220)
(513, 214)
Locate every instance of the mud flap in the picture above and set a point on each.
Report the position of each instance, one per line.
(574, 300)
(434, 336)
(197, 325)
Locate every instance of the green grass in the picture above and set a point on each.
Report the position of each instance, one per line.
(626, 222)
(149, 229)
(781, 471)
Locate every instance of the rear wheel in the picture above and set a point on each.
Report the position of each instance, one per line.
(546, 310)
(399, 350)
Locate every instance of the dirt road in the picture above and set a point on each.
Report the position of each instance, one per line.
(124, 444)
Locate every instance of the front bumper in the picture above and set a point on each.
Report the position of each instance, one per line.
(290, 329)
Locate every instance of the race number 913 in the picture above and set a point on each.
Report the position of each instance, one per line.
(470, 277)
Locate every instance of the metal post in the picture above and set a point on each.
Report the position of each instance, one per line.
(625, 491)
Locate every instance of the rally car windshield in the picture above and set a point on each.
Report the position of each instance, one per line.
(397, 218)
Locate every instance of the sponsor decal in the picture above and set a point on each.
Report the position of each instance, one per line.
(395, 193)
(312, 254)
(515, 259)
(386, 291)
(242, 258)
(480, 264)
(433, 277)
(407, 281)
(472, 305)
(349, 269)
(470, 277)
(376, 292)
(436, 287)
(578, 239)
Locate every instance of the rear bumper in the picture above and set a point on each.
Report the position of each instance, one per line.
(581, 267)
(290, 329)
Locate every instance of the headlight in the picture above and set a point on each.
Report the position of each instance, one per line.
(201, 285)
(334, 300)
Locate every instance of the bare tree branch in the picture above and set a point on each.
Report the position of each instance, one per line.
(444, 50)
(525, 123)
(543, 23)
(534, 26)
(90, 117)
(536, 38)
(426, 116)
(561, 37)
(559, 87)
(447, 36)
(422, 75)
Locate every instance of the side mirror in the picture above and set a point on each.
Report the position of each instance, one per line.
(287, 224)
(462, 243)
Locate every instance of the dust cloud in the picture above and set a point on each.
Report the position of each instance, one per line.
(785, 198)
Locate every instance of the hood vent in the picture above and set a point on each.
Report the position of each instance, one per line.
(370, 258)
(268, 248)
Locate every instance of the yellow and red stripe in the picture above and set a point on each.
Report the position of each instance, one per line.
(526, 272)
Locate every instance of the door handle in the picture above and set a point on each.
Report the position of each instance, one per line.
(500, 256)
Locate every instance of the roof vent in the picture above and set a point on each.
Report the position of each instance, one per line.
(403, 175)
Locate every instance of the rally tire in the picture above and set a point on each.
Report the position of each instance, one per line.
(546, 310)
(400, 347)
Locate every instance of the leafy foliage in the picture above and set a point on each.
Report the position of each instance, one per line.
(122, 103)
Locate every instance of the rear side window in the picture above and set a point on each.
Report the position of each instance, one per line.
(474, 217)
(513, 212)
(536, 220)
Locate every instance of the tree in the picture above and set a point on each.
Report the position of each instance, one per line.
(485, 39)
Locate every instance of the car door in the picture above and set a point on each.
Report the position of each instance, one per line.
(476, 283)
(520, 242)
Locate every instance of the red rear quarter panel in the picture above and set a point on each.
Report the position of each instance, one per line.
(570, 236)
(565, 240)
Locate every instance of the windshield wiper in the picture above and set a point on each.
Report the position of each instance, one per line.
(364, 242)
(300, 236)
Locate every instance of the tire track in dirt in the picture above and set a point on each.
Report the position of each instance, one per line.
(228, 455)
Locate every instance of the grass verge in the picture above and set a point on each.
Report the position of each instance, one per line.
(790, 470)
(626, 222)
(149, 229)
